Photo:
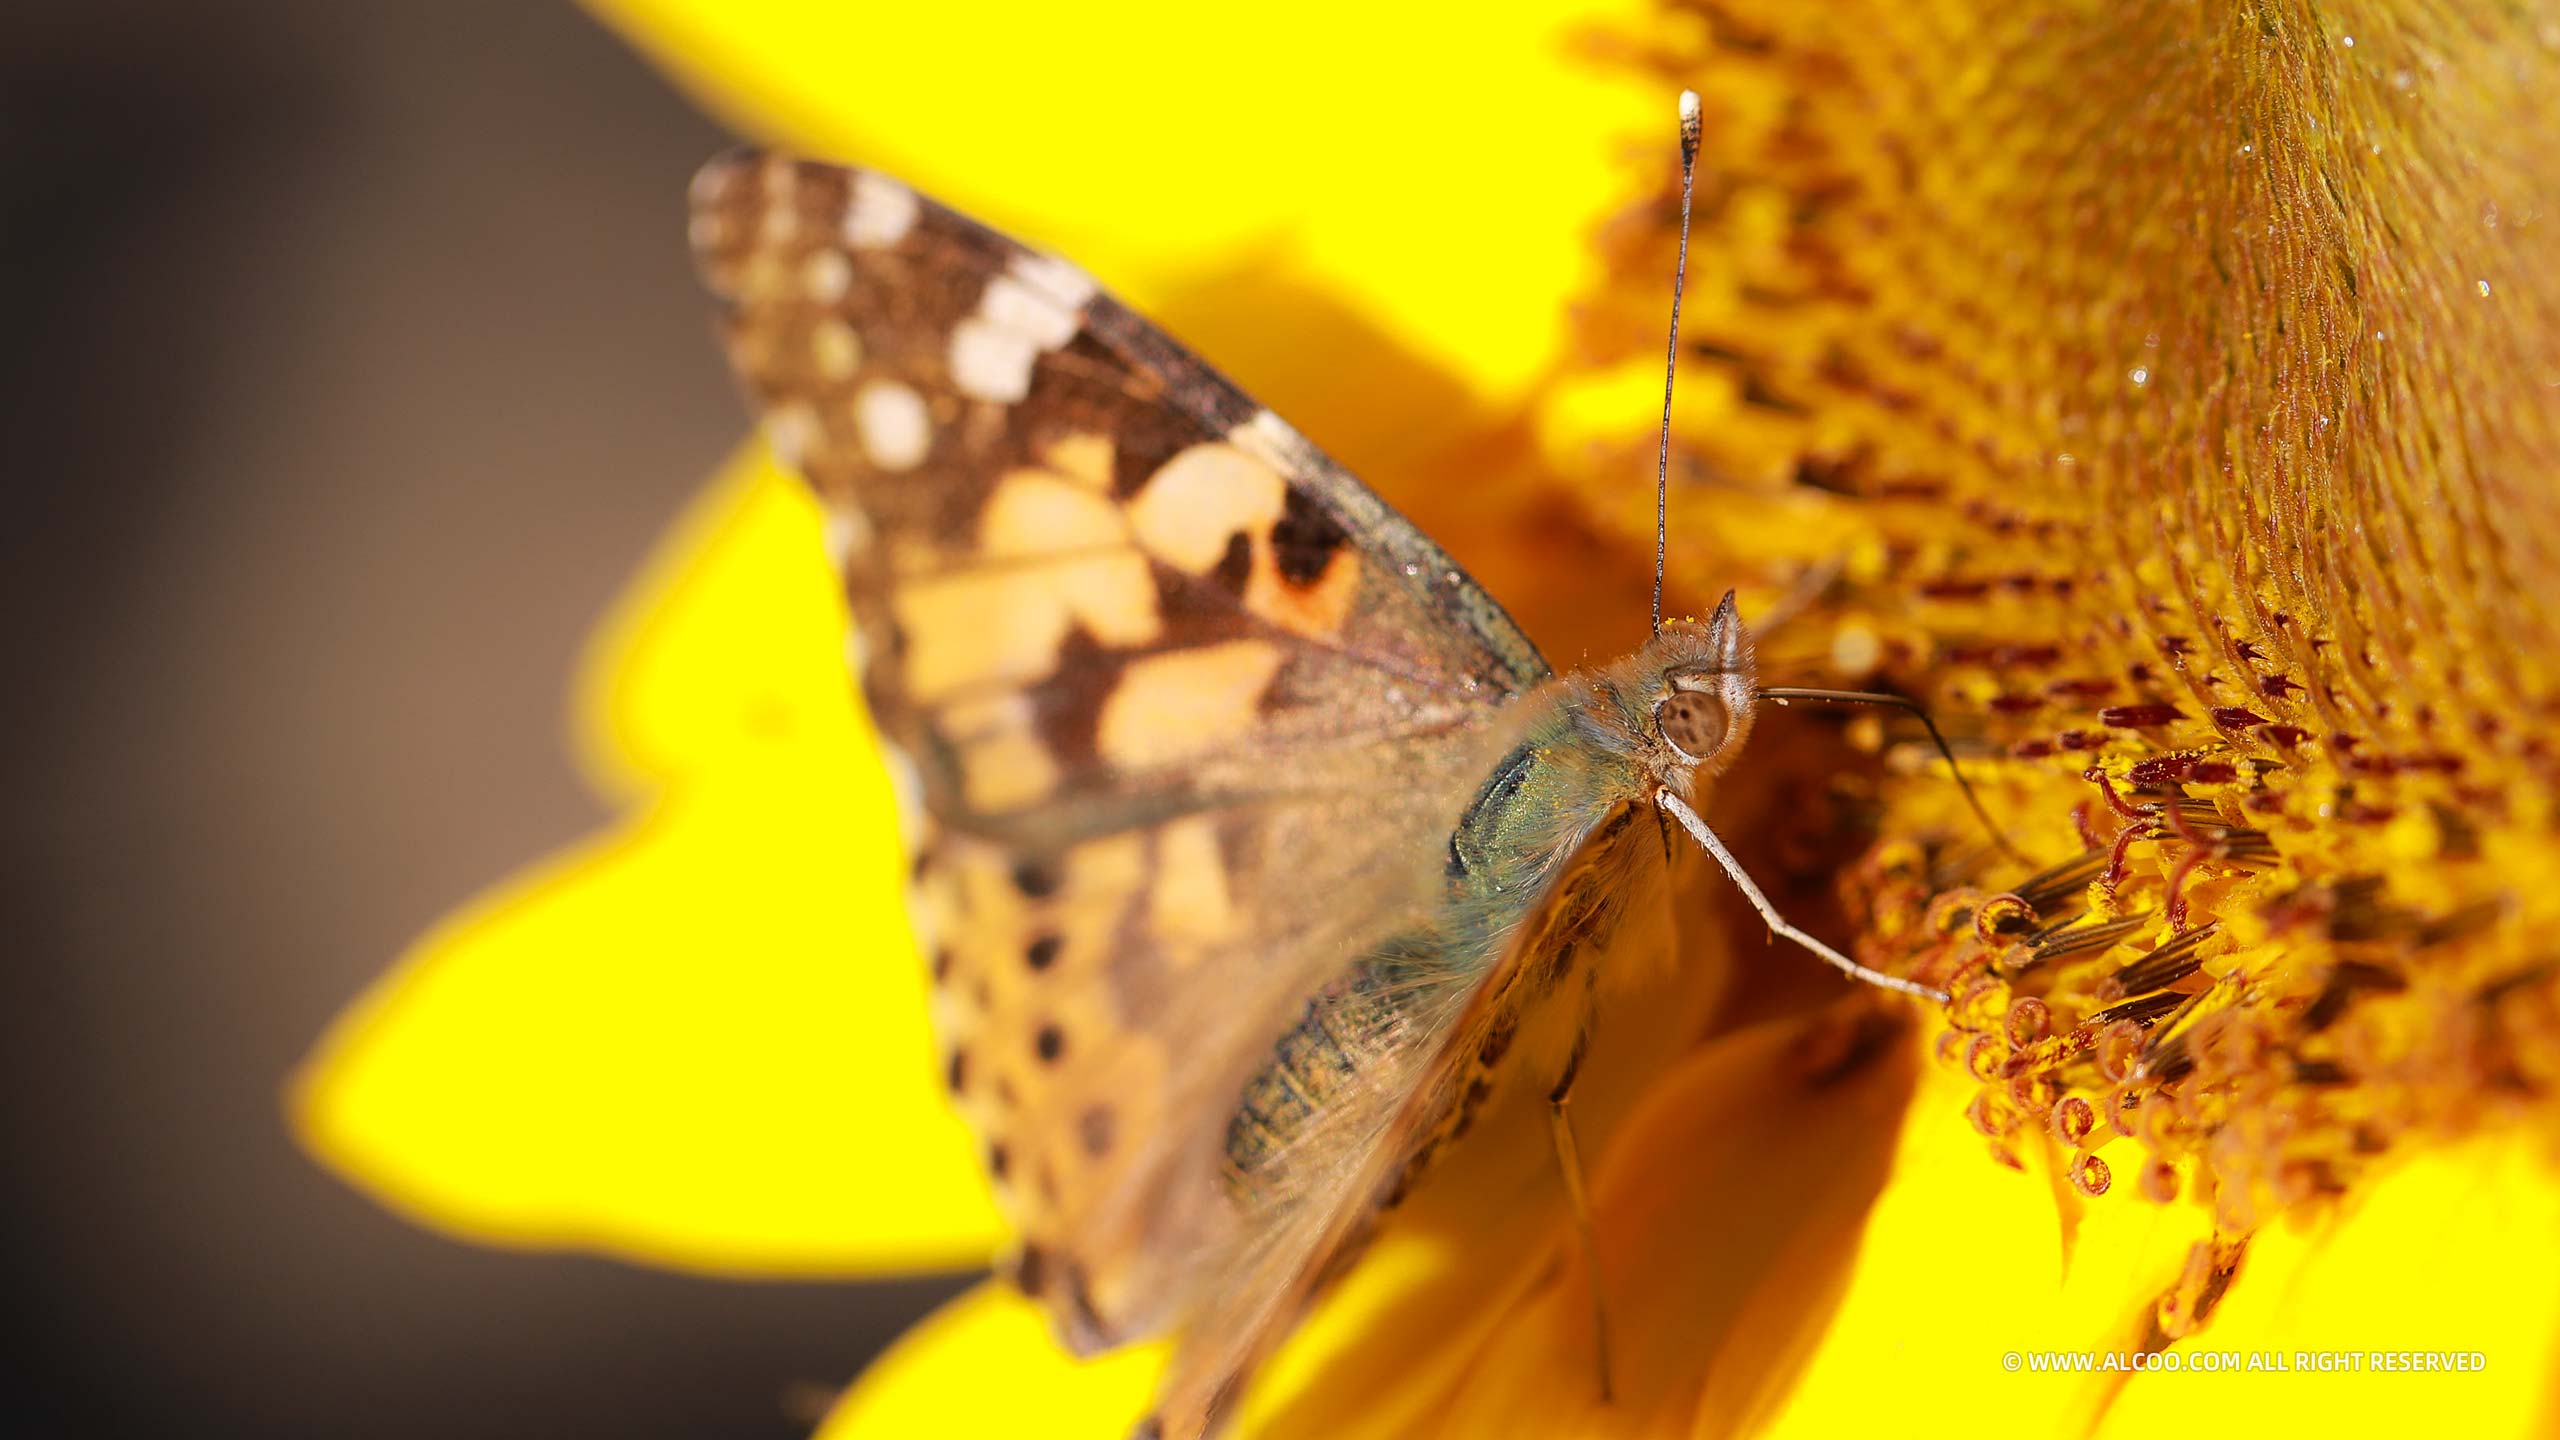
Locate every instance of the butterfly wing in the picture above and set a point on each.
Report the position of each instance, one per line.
(1432, 1058)
(1185, 711)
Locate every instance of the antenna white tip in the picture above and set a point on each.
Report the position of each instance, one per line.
(1689, 125)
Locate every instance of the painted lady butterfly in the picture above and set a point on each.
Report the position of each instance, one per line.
(1245, 827)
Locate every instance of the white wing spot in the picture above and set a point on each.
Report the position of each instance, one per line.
(847, 531)
(990, 362)
(792, 431)
(1033, 307)
(1056, 280)
(895, 428)
(826, 276)
(1273, 441)
(882, 213)
(1036, 315)
(712, 181)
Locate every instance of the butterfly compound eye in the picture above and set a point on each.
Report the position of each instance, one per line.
(1693, 721)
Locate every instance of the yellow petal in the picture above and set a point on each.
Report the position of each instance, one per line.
(1725, 1218)
(1306, 197)
(984, 1365)
(728, 649)
(699, 1040)
(1962, 1262)
(1964, 1265)
(2448, 1256)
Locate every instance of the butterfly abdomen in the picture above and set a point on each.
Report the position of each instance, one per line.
(1316, 1060)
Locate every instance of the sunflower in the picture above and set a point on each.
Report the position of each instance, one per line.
(2165, 395)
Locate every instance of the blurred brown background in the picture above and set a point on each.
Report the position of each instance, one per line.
(352, 362)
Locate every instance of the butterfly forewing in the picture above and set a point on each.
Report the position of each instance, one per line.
(1186, 711)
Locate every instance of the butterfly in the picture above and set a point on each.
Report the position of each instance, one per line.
(1245, 827)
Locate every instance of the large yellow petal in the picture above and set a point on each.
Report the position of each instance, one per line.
(984, 1365)
(698, 1040)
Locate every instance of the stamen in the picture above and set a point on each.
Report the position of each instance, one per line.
(2141, 1012)
(1986, 1058)
(1989, 1117)
(2073, 1119)
(2090, 1176)
(2119, 1050)
(2002, 916)
(2066, 878)
(1950, 1046)
(2165, 966)
(2064, 943)
(2170, 1032)
(2035, 1093)
(2113, 875)
(2124, 1110)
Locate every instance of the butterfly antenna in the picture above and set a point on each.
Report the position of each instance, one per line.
(1689, 125)
(1784, 693)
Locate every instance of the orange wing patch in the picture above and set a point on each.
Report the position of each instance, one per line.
(1181, 704)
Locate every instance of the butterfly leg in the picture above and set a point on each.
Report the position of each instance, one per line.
(1689, 820)
(1569, 1161)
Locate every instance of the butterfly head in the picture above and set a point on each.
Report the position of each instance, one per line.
(1692, 691)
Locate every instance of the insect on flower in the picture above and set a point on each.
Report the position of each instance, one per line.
(1247, 831)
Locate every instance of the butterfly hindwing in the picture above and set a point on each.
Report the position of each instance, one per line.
(1185, 712)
